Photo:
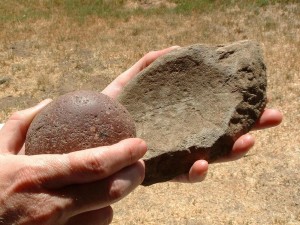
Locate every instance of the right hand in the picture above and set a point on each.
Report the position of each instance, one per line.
(198, 171)
(75, 188)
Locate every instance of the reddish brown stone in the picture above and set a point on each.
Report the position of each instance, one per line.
(77, 121)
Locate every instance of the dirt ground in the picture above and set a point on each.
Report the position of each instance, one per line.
(41, 58)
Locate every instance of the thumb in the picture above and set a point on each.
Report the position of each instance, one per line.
(13, 133)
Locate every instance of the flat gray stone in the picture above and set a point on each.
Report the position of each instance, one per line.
(194, 102)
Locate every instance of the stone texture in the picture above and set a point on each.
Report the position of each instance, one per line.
(194, 102)
(76, 121)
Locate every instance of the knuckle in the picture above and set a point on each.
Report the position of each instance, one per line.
(93, 164)
(116, 191)
(27, 177)
(31, 174)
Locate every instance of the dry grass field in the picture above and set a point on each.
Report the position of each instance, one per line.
(48, 48)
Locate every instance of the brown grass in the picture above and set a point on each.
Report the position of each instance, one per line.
(47, 57)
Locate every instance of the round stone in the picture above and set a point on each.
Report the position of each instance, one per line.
(76, 121)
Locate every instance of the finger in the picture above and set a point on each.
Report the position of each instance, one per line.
(116, 86)
(97, 195)
(269, 118)
(96, 217)
(13, 133)
(239, 149)
(55, 171)
(197, 173)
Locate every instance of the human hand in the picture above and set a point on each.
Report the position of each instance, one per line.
(74, 188)
(198, 171)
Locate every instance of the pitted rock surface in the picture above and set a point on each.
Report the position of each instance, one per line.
(76, 121)
(194, 102)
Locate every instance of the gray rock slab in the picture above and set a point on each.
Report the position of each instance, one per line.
(194, 102)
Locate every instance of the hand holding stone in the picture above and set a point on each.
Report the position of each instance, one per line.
(269, 118)
(56, 189)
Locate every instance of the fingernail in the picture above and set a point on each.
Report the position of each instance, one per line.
(143, 145)
(248, 139)
(204, 169)
(175, 47)
(140, 145)
(44, 102)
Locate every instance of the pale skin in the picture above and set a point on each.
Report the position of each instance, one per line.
(79, 187)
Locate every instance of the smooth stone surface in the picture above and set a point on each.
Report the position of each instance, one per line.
(76, 121)
(194, 102)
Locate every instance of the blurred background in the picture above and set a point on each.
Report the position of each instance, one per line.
(50, 47)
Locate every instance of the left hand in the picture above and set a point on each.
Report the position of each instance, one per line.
(197, 173)
(64, 189)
